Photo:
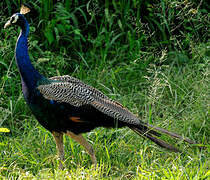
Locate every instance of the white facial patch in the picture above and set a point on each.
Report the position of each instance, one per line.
(14, 18)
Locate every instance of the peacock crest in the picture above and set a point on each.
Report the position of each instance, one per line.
(24, 9)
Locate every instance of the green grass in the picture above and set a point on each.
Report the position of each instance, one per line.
(171, 97)
(162, 75)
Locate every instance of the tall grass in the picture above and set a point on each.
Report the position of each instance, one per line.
(150, 56)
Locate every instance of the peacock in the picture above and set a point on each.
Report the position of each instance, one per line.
(66, 105)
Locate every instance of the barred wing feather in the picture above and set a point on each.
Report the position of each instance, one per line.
(66, 92)
(76, 81)
(77, 94)
(95, 92)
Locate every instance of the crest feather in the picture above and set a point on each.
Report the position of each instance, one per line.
(24, 9)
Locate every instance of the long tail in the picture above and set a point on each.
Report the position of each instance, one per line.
(152, 133)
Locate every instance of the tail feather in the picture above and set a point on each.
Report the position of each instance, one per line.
(172, 134)
(159, 142)
(144, 128)
(150, 131)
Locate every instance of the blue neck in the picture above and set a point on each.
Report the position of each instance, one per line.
(29, 75)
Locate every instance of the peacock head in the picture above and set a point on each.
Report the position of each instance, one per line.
(18, 18)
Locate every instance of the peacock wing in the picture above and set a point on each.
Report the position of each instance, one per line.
(115, 110)
(94, 92)
(66, 92)
(79, 95)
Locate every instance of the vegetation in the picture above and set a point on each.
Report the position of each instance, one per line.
(152, 56)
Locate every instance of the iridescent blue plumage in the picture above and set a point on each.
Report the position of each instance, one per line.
(29, 75)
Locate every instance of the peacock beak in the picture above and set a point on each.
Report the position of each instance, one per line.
(7, 24)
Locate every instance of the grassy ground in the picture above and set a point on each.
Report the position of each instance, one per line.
(165, 87)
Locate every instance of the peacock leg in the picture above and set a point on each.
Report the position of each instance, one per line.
(59, 145)
(82, 141)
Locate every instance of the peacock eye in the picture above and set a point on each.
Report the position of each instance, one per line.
(12, 18)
